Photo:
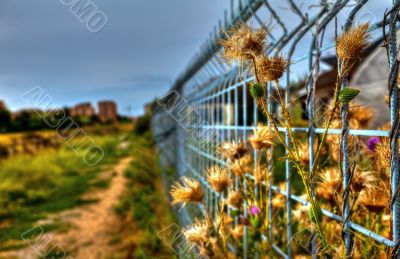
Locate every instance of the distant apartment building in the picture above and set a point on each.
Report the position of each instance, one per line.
(83, 109)
(107, 111)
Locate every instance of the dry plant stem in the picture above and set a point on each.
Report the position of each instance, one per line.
(206, 214)
(341, 74)
(252, 196)
(304, 177)
(303, 174)
(259, 170)
(220, 212)
(267, 182)
(285, 113)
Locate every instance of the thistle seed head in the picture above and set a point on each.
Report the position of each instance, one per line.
(243, 43)
(270, 68)
(186, 191)
(262, 138)
(218, 178)
(350, 44)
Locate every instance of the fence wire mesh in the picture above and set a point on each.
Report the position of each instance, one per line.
(209, 104)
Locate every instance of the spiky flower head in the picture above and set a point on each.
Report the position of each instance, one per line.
(304, 153)
(262, 138)
(382, 152)
(235, 199)
(362, 114)
(270, 68)
(350, 44)
(365, 180)
(243, 165)
(374, 201)
(331, 183)
(186, 191)
(218, 178)
(233, 150)
(237, 232)
(243, 43)
(197, 234)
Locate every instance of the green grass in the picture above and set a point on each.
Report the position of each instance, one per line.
(144, 202)
(31, 187)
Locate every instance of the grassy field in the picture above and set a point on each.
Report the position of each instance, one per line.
(31, 187)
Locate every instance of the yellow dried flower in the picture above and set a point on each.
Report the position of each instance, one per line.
(279, 201)
(235, 199)
(331, 183)
(218, 178)
(233, 150)
(243, 43)
(334, 144)
(300, 212)
(304, 152)
(197, 234)
(241, 166)
(364, 181)
(361, 114)
(189, 190)
(270, 68)
(382, 151)
(262, 138)
(350, 44)
(374, 201)
(237, 232)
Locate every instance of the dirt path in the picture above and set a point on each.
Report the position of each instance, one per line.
(90, 228)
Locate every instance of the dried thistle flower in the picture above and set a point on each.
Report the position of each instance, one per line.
(233, 150)
(235, 199)
(278, 201)
(300, 212)
(262, 138)
(189, 190)
(304, 152)
(243, 165)
(216, 249)
(197, 234)
(270, 68)
(218, 178)
(374, 201)
(361, 114)
(382, 152)
(330, 184)
(350, 44)
(243, 43)
(334, 145)
(237, 232)
(364, 181)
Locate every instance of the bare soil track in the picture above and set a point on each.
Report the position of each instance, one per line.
(91, 228)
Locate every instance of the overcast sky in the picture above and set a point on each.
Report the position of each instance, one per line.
(144, 46)
(134, 58)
